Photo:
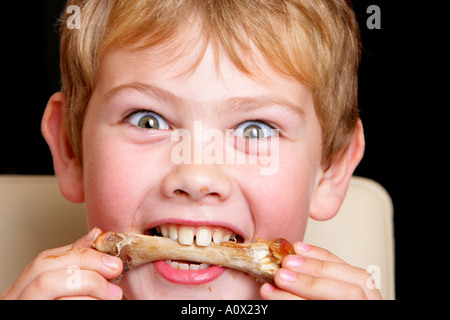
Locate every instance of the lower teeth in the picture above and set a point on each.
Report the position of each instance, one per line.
(187, 266)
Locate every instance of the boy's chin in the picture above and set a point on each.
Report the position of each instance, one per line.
(149, 282)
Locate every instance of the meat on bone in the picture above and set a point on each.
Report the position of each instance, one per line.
(260, 259)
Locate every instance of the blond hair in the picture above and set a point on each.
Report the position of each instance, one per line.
(314, 41)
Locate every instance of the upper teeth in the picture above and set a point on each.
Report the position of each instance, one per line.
(203, 235)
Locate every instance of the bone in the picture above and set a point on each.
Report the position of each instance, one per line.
(261, 259)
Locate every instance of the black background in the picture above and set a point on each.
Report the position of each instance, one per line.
(30, 72)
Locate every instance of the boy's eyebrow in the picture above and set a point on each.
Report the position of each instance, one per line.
(147, 89)
(236, 104)
(255, 103)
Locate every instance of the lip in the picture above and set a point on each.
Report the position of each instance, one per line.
(188, 276)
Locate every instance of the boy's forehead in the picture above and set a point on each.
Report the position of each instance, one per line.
(193, 50)
(197, 75)
(180, 56)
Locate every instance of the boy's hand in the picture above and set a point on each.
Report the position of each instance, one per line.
(315, 273)
(75, 271)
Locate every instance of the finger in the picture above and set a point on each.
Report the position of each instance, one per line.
(57, 284)
(83, 258)
(87, 240)
(270, 292)
(317, 288)
(315, 252)
(84, 242)
(88, 259)
(323, 269)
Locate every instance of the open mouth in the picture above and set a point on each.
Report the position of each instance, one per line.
(202, 236)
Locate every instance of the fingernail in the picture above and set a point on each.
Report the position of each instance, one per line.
(115, 290)
(294, 261)
(300, 246)
(287, 275)
(267, 287)
(110, 262)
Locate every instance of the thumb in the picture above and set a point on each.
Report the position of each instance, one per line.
(87, 240)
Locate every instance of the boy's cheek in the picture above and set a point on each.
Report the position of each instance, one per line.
(280, 205)
(110, 185)
(285, 219)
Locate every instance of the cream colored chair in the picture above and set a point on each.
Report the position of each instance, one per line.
(34, 216)
(361, 233)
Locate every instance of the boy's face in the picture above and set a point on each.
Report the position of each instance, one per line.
(134, 181)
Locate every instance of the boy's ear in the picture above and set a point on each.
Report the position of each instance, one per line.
(331, 185)
(67, 167)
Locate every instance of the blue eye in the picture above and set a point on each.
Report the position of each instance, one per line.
(148, 120)
(254, 130)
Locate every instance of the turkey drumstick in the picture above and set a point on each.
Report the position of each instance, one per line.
(260, 259)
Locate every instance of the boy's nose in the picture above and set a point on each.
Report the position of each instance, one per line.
(197, 182)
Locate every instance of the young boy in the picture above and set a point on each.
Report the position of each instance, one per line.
(216, 119)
